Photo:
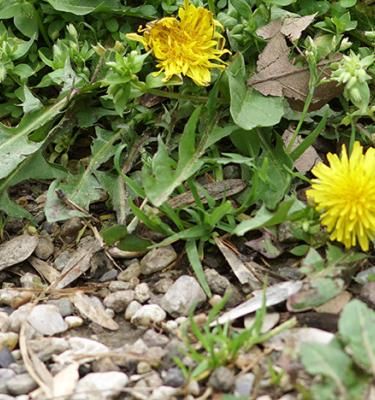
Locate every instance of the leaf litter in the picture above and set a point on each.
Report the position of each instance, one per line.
(95, 290)
(277, 75)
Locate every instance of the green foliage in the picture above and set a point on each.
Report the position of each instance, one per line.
(214, 346)
(83, 110)
(340, 361)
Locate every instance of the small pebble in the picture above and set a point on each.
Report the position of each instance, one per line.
(119, 300)
(19, 316)
(47, 320)
(115, 286)
(70, 229)
(193, 388)
(5, 375)
(143, 367)
(163, 285)
(73, 321)
(163, 393)
(45, 248)
(64, 305)
(132, 271)
(182, 296)
(4, 322)
(149, 314)
(101, 385)
(62, 259)
(153, 338)
(109, 275)
(222, 379)
(158, 259)
(244, 385)
(142, 292)
(8, 340)
(131, 309)
(31, 281)
(21, 384)
(174, 377)
(6, 357)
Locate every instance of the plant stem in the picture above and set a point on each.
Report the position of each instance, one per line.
(211, 6)
(177, 96)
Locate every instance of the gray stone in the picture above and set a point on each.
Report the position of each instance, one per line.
(118, 301)
(162, 285)
(8, 340)
(5, 375)
(153, 338)
(163, 393)
(47, 347)
(6, 397)
(6, 357)
(31, 281)
(73, 321)
(217, 283)
(64, 305)
(45, 248)
(62, 259)
(47, 320)
(4, 322)
(142, 292)
(21, 384)
(368, 292)
(115, 286)
(109, 275)
(19, 316)
(158, 259)
(100, 385)
(244, 385)
(70, 228)
(149, 314)
(131, 309)
(222, 379)
(174, 377)
(182, 296)
(132, 271)
(143, 367)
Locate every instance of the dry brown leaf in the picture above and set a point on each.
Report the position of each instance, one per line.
(78, 264)
(35, 367)
(243, 274)
(49, 273)
(65, 381)
(292, 28)
(308, 159)
(92, 308)
(17, 250)
(274, 295)
(277, 76)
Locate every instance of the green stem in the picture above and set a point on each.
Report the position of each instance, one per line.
(177, 96)
(352, 135)
(305, 110)
(211, 6)
(42, 29)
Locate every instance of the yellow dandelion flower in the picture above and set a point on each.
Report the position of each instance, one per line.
(344, 192)
(189, 45)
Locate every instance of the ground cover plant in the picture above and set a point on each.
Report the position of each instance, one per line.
(232, 130)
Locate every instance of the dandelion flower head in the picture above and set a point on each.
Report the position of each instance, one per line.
(344, 193)
(189, 45)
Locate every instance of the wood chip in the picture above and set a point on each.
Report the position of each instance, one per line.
(243, 274)
(46, 270)
(92, 308)
(274, 295)
(17, 250)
